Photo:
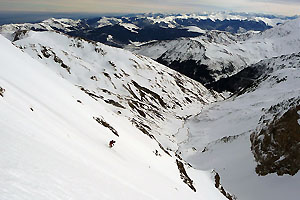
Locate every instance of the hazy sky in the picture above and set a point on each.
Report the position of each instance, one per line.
(285, 7)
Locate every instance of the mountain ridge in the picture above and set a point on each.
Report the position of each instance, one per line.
(222, 54)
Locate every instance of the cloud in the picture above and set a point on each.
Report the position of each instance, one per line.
(135, 6)
(279, 1)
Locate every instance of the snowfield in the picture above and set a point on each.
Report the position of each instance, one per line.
(150, 95)
(52, 148)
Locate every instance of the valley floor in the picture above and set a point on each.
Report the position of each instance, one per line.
(219, 138)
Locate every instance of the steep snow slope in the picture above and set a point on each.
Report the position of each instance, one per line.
(52, 148)
(148, 94)
(217, 54)
(205, 59)
(219, 137)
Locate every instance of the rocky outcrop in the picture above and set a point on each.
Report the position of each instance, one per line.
(276, 145)
(219, 186)
(184, 176)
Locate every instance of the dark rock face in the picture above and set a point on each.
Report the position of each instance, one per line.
(191, 69)
(122, 36)
(236, 82)
(107, 125)
(184, 176)
(276, 147)
(219, 186)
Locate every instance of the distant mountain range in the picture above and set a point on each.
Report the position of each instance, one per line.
(218, 54)
(121, 31)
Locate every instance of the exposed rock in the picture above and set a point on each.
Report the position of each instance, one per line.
(62, 64)
(153, 94)
(162, 148)
(191, 69)
(276, 144)
(19, 34)
(94, 78)
(107, 125)
(114, 103)
(184, 176)
(221, 188)
(142, 127)
(45, 52)
(94, 96)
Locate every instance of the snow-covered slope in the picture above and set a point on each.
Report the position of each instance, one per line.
(52, 24)
(219, 137)
(148, 93)
(54, 137)
(240, 82)
(218, 54)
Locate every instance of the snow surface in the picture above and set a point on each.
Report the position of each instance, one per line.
(195, 29)
(123, 68)
(52, 148)
(51, 24)
(219, 137)
(108, 21)
(130, 27)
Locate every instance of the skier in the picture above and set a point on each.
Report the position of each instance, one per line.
(2, 90)
(111, 143)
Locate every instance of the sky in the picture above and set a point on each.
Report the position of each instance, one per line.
(282, 7)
